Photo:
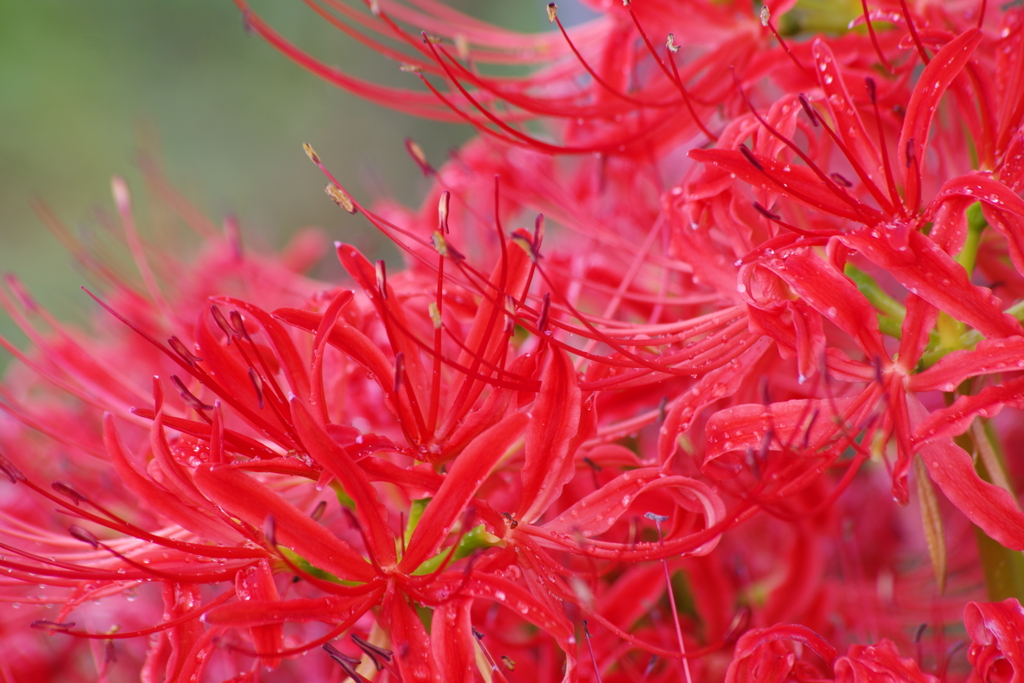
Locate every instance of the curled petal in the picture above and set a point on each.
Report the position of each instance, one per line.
(996, 651)
(768, 655)
(877, 663)
(596, 513)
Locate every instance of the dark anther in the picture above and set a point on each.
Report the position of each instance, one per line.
(65, 490)
(766, 213)
(83, 535)
(374, 652)
(593, 465)
(663, 409)
(182, 350)
(545, 311)
(869, 84)
(257, 384)
(910, 152)
(920, 632)
(222, 322)
(12, 472)
(840, 180)
(239, 326)
(318, 511)
(808, 109)
(187, 396)
(347, 663)
(44, 625)
(477, 634)
(509, 664)
(399, 370)
(749, 156)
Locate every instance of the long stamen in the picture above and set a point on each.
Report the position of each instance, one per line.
(658, 519)
(913, 32)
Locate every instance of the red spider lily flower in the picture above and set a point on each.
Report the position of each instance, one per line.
(647, 440)
(889, 239)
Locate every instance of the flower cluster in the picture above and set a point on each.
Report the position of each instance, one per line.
(730, 407)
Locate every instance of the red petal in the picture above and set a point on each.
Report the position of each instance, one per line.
(991, 356)
(159, 499)
(451, 638)
(932, 274)
(995, 628)
(795, 181)
(832, 294)
(717, 384)
(957, 418)
(372, 515)
(470, 469)
(554, 420)
(256, 584)
(792, 424)
(246, 498)
(879, 663)
(597, 512)
(931, 86)
(415, 665)
(951, 468)
(765, 655)
(257, 613)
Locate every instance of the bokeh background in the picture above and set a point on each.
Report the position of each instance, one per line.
(84, 85)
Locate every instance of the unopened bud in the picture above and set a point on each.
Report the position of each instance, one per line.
(340, 197)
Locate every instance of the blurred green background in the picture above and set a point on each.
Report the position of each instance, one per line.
(82, 83)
